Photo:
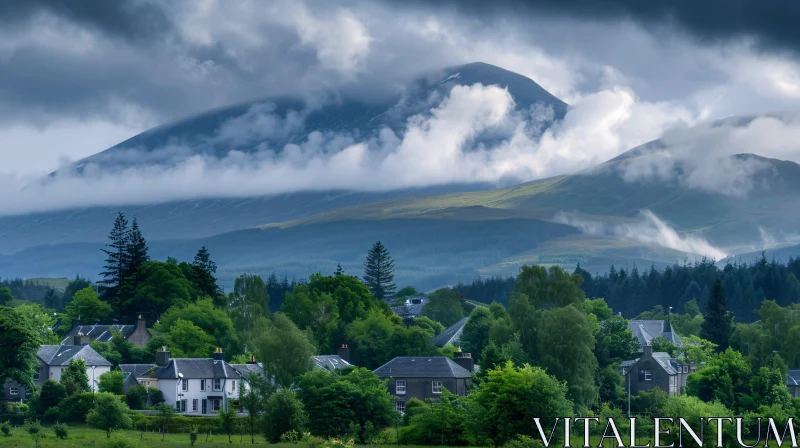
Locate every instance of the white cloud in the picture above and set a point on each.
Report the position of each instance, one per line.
(649, 229)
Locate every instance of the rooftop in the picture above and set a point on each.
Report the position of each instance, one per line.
(422, 367)
(330, 362)
(451, 335)
(60, 355)
(101, 333)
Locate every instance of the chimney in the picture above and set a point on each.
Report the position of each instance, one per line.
(162, 357)
(218, 355)
(647, 351)
(141, 324)
(252, 360)
(76, 322)
(81, 339)
(344, 352)
(464, 360)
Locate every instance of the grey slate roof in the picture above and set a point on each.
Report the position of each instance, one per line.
(246, 369)
(59, 355)
(101, 333)
(647, 330)
(330, 362)
(196, 368)
(666, 362)
(422, 367)
(412, 307)
(137, 370)
(793, 378)
(451, 335)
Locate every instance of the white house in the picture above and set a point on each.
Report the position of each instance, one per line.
(195, 385)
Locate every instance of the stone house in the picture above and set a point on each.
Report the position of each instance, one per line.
(137, 335)
(655, 369)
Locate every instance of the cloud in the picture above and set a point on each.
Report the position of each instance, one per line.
(473, 134)
(649, 229)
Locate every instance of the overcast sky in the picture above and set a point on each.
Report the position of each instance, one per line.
(78, 76)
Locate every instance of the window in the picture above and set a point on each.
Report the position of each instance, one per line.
(147, 383)
(685, 369)
(215, 405)
(437, 387)
(13, 391)
(194, 405)
(203, 385)
(185, 385)
(183, 405)
(178, 405)
(400, 387)
(400, 406)
(648, 375)
(217, 384)
(233, 386)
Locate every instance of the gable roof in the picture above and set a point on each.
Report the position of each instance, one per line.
(330, 362)
(451, 335)
(647, 330)
(422, 367)
(137, 370)
(101, 333)
(196, 368)
(60, 355)
(247, 369)
(793, 378)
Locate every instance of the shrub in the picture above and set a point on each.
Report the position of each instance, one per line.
(61, 430)
(290, 437)
(120, 441)
(75, 408)
(523, 441)
(136, 397)
(5, 427)
(193, 436)
(156, 396)
(34, 428)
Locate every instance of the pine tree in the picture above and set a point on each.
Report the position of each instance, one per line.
(205, 268)
(116, 261)
(718, 323)
(339, 270)
(379, 272)
(136, 251)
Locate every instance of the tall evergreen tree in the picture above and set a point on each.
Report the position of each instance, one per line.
(379, 272)
(136, 251)
(205, 268)
(718, 324)
(339, 270)
(116, 259)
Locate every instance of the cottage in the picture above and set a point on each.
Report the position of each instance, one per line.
(647, 330)
(452, 335)
(655, 370)
(426, 376)
(135, 334)
(53, 359)
(195, 385)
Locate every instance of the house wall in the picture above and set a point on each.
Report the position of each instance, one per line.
(140, 336)
(422, 388)
(18, 397)
(173, 392)
(660, 378)
(794, 390)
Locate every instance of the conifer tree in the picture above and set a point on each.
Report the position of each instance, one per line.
(339, 270)
(379, 272)
(116, 259)
(205, 268)
(135, 251)
(718, 323)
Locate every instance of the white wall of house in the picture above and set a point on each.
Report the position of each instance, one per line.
(199, 390)
(92, 374)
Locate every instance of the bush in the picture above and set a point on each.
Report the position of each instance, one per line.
(120, 441)
(5, 427)
(283, 415)
(156, 396)
(61, 430)
(523, 441)
(136, 397)
(34, 428)
(193, 436)
(75, 408)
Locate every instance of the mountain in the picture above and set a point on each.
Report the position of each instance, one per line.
(266, 125)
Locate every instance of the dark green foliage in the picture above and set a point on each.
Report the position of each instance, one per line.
(247, 304)
(193, 436)
(615, 342)
(61, 430)
(610, 385)
(214, 323)
(115, 267)
(49, 396)
(475, 336)
(86, 305)
(284, 349)
(19, 343)
(650, 403)
(108, 413)
(204, 271)
(75, 407)
(725, 378)
(488, 290)
(379, 272)
(156, 396)
(717, 320)
(74, 286)
(283, 412)
(339, 270)
(227, 421)
(445, 306)
(165, 414)
(161, 285)
(5, 428)
(136, 398)
(119, 351)
(505, 404)
(335, 401)
(74, 377)
(443, 423)
(5, 296)
(111, 382)
(662, 345)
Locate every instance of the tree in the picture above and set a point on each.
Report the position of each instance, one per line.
(136, 397)
(116, 264)
(339, 270)
(109, 413)
(335, 401)
(165, 413)
(614, 342)
(205, 269)
(284, 349)
(112, 382)
(283, 412)
(475, 335)
(441, 423)
(188, 340)
(253, 397)
(88, 307)
(379, 272)
(725, 379)
(135, 257)
(20, 344)
(5, 296)
(40, 319)
(75, 378)
(77, 284)
(505, 404)
(227, 419)
(444, 305)
(718, 322)
(161, 286)
(50, 396)
(248, 303)
(215, 322)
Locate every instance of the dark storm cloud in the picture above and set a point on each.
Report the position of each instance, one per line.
(773, 23)
(126, 19)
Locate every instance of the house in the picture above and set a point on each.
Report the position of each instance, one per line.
(333, 362)
(655, 369)
(135, 334)
(411, 307)
(133, 373)
(425, 377)
(793, 382)
(53, 359)
(195, 385)
(647, 330)
(450, 336)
